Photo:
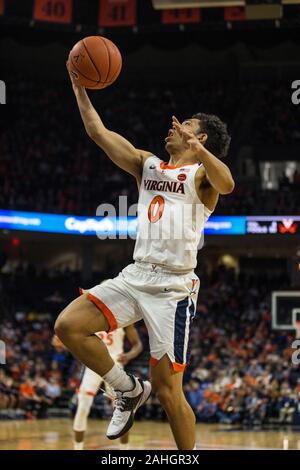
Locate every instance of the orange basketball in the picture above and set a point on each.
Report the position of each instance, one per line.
(95, 62)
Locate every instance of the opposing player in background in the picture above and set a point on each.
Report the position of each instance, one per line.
(91, 382)
(161, 286)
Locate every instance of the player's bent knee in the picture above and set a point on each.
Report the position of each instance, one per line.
(66, 324)
(160, 386)
(69, 321)
(63, 327)
(80, 318)
(170, 397)
(167, 397)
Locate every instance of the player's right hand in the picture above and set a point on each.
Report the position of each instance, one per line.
(73, 77)
(189, 139)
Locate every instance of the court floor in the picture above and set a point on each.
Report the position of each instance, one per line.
(57, 434)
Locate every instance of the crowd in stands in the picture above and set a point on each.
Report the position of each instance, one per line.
(249, 200)
(274, 119)
(31, 380)
(240, 370)
(48, 163)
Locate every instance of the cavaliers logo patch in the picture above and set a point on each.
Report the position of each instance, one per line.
(181, 177)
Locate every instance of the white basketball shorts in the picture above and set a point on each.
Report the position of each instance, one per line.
(165, 300)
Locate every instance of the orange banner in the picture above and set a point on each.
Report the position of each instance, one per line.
(180, 16)
(55, 11)
(117, 13)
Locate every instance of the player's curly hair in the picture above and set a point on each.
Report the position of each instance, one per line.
(218, 140)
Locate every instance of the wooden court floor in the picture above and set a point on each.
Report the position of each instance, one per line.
(57, 434)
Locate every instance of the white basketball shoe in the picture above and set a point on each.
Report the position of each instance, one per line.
(126, 405)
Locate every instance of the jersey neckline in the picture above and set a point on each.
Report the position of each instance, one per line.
(166, 166)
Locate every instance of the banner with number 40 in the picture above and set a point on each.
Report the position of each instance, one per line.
(54, 11)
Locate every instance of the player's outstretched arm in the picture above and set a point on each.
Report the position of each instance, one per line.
(136, 345)
(117, 148)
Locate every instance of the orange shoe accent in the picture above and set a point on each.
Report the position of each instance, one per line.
(81, 290)
(106, 312)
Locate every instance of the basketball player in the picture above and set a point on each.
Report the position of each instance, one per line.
(91, 382)
(160, 286)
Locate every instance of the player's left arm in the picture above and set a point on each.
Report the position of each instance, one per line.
(136, 345)
(217, 173)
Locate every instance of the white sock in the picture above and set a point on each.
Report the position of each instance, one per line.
(78, 445)
(118, 379)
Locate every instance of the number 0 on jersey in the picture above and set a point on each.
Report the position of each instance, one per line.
(156, 209)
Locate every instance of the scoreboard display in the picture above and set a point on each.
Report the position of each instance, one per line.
(164, 4)
(273, 225)
(234, 10)
(187, 15)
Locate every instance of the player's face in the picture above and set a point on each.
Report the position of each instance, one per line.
(174, 141)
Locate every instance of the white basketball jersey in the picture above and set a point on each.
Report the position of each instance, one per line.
(171, 217)
(114, 341)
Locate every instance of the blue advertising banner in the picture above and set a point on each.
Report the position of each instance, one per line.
(101, 226)
(68, 224)
(225, 225)
(123, 226)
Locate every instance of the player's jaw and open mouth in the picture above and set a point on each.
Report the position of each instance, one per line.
(171, 134)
